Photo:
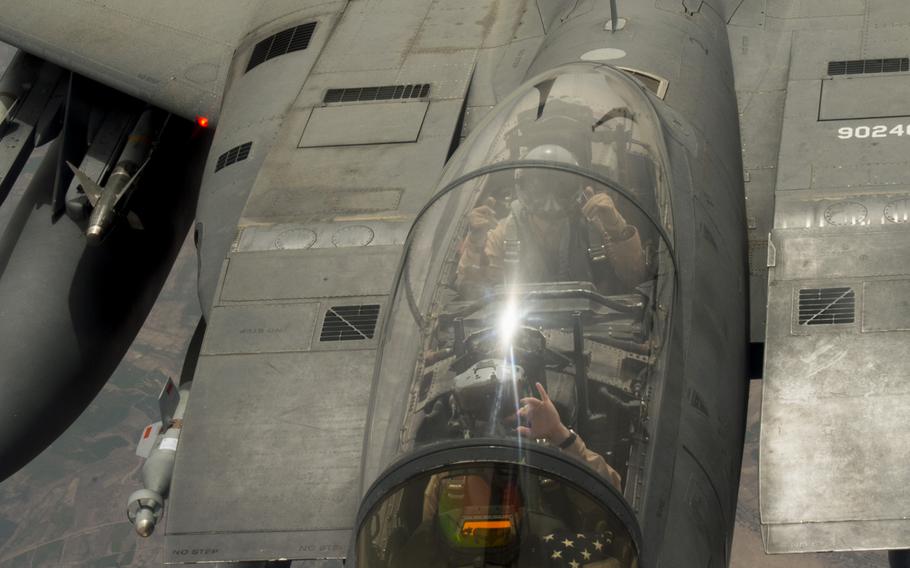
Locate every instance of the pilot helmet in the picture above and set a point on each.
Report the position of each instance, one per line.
(480, 515)
(543, 192)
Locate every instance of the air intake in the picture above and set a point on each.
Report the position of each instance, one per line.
(350, 323)
(826, 306)
(862, 66)
(234, 155)
(384, 93)
(292, 39)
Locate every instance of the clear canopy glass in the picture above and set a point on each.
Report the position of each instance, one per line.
(534, 302)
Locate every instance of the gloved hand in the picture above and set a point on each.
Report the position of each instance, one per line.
(600, 210)
(542, 418)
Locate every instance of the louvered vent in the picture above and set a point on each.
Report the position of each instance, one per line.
(826, 306)
(349, 323)
(654, 83)
(234, 155)
(293, 39)
(860, 66)
(385, 93)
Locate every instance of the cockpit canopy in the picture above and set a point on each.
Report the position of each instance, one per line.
(535, 295)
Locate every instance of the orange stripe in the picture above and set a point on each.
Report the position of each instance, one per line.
(475, 525)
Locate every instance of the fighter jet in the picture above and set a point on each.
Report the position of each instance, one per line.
(475, 276)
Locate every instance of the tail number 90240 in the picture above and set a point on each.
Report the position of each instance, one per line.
(877, 131)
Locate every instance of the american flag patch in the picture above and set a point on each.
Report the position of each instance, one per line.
(576, 550)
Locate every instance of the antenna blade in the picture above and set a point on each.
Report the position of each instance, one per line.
(613, 16)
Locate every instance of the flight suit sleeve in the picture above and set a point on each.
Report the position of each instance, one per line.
(595, 461)
(626, 256)
(431, 499)
(494, 248)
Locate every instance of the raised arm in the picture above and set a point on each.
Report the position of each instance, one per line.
(544, 422)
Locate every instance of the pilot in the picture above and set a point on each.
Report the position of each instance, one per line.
(556, 231)
(543, 423)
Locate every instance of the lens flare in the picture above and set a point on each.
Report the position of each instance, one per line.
(508, 322)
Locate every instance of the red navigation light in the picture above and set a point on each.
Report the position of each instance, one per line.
(202, 121)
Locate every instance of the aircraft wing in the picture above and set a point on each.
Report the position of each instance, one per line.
(172, 54)
(280, 395)
(825, 130)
